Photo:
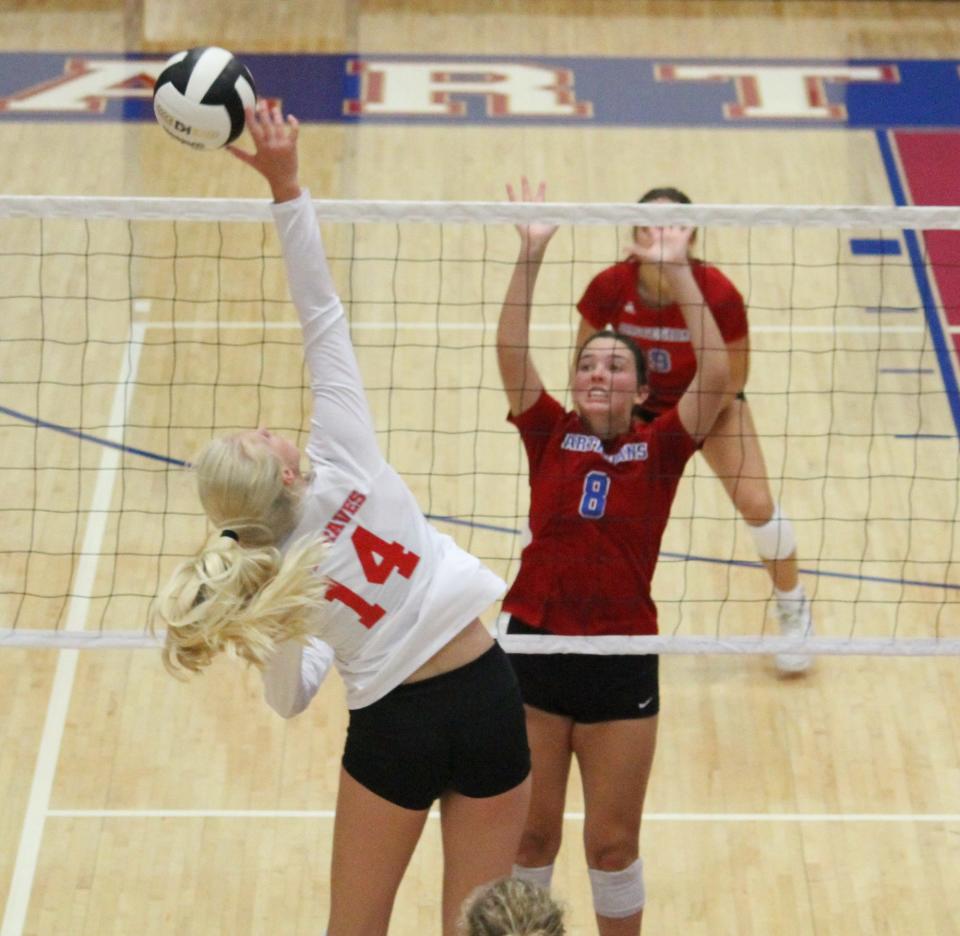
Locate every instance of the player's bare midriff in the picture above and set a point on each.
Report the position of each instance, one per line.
(473, 641)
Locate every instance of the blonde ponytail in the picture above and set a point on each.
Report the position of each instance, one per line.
(512, 907)
(242, 595)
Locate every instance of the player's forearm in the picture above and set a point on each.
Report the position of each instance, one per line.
(293, 675)
(520, 378)
(309, 279)
(513, 331)
(308, 273)
(709, 348)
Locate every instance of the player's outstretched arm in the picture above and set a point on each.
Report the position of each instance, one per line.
(340, 425)
(520, 378)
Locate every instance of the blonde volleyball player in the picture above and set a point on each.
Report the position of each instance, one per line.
(338, 566)
(602, 481)
(633, 298)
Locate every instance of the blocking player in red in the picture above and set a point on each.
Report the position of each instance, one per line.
(602, 482)
(635, 299)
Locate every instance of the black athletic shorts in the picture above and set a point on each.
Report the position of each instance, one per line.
(648, 416)
(462, 731)
(587, 688)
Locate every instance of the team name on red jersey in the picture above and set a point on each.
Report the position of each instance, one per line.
(581, 442)
(343, 516)
(655, 333)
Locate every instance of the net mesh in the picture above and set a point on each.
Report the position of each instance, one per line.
(131, 331)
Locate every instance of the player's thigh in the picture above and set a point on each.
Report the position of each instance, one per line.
(733, 452)
(549, 736)
(483, 830)
(481, 836)
(615, 760)
(373, 840)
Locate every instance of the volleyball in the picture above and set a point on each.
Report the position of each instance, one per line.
(200, 95)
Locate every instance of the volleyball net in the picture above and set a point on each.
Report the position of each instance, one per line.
(134, 330)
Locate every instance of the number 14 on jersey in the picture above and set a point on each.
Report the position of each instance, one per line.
(379, 560)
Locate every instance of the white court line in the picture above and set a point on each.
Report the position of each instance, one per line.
(81, 589)
(573, 816)
(492, 326)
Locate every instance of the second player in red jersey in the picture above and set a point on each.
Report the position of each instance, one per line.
(635, 298)
(614, 299)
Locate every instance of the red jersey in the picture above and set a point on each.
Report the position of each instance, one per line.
(612, 299)
(597, 516)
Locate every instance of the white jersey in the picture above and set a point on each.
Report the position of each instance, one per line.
(401, 590)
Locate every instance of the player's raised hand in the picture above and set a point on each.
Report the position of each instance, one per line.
(275, 148)
(537, 235)
(668, 245)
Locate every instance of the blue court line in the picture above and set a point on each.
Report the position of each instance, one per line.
(907, 370)
(443, 518)
(87, 437)
(458, 521)
(874, 247)
(743, 563)
(819, 573)
(942, 349)
(921, 435)
(887, 310)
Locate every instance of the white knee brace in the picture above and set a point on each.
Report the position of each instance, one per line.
(539, 876)
(618, 894)
(775, 539)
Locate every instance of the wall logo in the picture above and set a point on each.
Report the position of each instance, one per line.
(574, 91)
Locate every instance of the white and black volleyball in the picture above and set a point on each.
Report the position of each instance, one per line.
(200, 95)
